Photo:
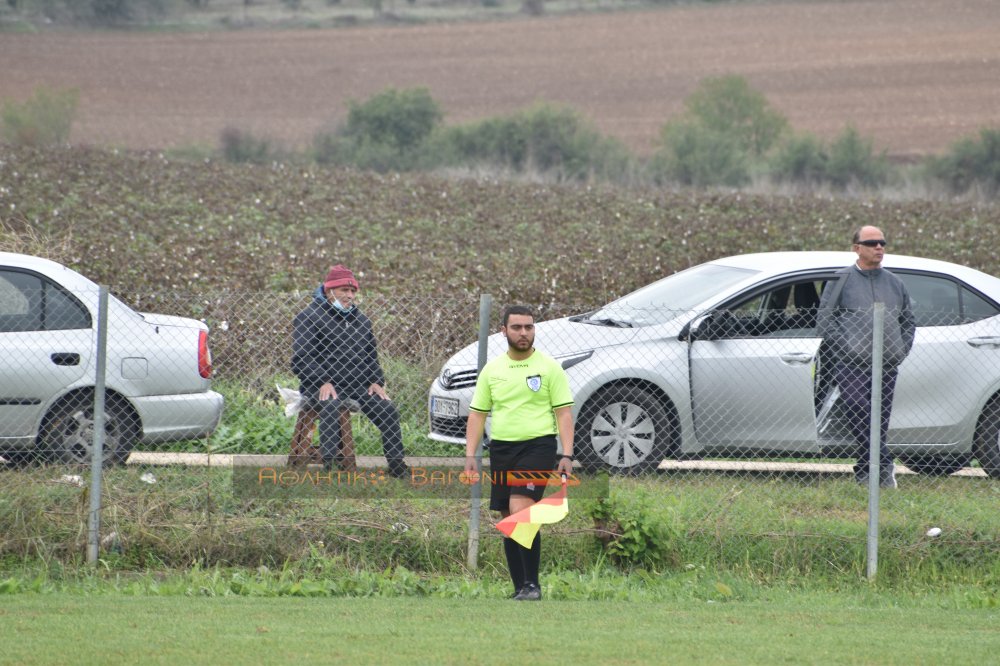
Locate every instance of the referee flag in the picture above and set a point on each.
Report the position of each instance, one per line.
(523, 525)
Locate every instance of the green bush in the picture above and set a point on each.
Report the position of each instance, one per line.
(402, 119)
(638, 529)
(115, 12)
(110, 12)
(242, 146)
(729, 106)
(385, 132)
(543, 138)
(495, 141)
(533, 7)
(338, 150)
(692, 154)
(726, 126)
(801, 159)
(848, 160)
(43, 120)
(970, 164)
(853, 161)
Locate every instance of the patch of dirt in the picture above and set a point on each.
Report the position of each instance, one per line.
(913, 74)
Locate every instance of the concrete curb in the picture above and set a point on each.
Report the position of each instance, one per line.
(374, 462)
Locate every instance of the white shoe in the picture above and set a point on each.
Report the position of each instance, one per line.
(887, 477)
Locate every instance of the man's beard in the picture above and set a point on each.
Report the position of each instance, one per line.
(522, 347)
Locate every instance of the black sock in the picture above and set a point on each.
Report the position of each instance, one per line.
(532, 559)
(512, 550)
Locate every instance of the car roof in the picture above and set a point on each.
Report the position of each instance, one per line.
(53, 269)
(26, 260)
(778, 263)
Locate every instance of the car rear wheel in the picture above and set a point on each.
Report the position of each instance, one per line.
(987, 441)
(940, 465)
(68, 431)
(624, 429)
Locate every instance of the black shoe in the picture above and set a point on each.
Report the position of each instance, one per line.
(399, 470)
(530, 592)
(517, 591)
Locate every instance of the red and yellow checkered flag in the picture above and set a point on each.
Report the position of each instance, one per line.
(523, 525)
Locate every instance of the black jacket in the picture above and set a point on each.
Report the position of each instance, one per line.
(847, 325)
(329, 345)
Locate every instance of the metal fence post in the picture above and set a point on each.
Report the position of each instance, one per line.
(97, 454)
(875, 438)
(472, 559)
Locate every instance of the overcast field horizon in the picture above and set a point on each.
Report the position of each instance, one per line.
(914, 75)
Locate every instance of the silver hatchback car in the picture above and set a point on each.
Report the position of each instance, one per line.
(723, 360)
(157, 368)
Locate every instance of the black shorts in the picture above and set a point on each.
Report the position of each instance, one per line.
(537, 454)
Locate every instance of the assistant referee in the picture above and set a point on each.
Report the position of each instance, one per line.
(528, 394)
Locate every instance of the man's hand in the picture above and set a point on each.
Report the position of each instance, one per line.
(327, 392)
(470, 465)
(565, 466)
(379, 390)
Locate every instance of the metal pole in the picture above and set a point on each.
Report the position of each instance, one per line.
(875, 438)
(97, 454)
(472, 559)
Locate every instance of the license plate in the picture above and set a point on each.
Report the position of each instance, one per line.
(445, 407)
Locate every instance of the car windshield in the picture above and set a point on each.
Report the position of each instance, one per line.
(665, 299)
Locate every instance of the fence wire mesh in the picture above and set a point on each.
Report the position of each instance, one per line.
(748, 425)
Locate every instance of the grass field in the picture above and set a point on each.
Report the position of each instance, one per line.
(743, 532)
(827, 628)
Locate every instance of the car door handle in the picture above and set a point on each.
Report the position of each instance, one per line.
(66, 358)
(797, 358)
(988, 342)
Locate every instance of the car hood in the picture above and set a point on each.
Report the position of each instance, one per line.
(557, 338)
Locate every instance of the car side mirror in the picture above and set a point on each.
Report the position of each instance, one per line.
(702, 328)
(717, 325)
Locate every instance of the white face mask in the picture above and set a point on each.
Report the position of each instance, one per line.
(340, 306)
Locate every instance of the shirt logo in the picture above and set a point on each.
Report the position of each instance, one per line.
(535, 382)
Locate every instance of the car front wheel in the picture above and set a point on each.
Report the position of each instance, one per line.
(624, 429)
(68, 431)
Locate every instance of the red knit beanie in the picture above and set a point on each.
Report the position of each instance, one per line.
(340, 276)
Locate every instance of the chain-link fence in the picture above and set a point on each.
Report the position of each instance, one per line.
(749, 426)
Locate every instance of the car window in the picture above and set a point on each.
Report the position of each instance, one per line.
(785, 310)
(20, 302)
(940, 301)
(30, 303)
(975, 307)
(664, 299)
(63, 311)
(935, 300)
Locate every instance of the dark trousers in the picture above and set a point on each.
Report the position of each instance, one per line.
(382, 413)
(855, 384)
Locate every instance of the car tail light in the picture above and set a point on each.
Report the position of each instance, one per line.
(204, 356)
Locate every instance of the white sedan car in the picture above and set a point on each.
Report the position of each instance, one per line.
(157, 368)
(723, 360)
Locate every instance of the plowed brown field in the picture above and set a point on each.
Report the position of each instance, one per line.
(913, 74)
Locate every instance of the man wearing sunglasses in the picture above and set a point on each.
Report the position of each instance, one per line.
(845, 322)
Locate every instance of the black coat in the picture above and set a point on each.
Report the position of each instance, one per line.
(329, 345)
